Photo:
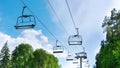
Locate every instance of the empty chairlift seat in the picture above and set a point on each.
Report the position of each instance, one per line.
(75, 39)
(69, 57)
(25, 21)
(75, 61)
(58, 48)
(81, 55)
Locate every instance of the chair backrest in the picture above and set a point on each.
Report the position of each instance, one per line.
(58, 48)
(75, 40)
(25, 21)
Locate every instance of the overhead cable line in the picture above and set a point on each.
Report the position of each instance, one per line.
(57, 16)
(70, 14)
(39, 20)
(73, 21)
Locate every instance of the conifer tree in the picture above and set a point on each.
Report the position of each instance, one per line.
(4, 56)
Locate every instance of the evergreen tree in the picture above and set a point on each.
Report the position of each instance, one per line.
(4, 56)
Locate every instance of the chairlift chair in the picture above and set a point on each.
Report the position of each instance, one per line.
(85, 61)
(85, 56)
(25, 21)
(87, 65)
(69, 57)
(75, 62)
(81, 55)
(58, 48)
(75, 39)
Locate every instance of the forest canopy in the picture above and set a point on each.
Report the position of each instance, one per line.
(23, 56)
(109, 54)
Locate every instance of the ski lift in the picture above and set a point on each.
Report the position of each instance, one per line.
(85, 61)
(75, 39)
(87, 65)
(25, 21)
(69, 57)
(81, 55)
(58, 48)
(75, 61)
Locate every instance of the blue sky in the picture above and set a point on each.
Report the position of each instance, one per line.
(88, 16)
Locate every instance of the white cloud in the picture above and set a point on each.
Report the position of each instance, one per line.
(32, 37)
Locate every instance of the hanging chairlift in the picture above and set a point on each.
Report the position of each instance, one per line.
(81, 55)
(69, 57)
(58, 48)
(87, 65)
(75, 39)
(75, 61)
(85, 61)
(25, 21)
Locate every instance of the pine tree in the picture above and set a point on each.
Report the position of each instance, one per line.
(4, 56)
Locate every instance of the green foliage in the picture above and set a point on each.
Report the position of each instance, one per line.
(105, 58)
(4, 57)
(44, 60)
(116, 53)
(23, 56)
(112, 25)
(39, 57)
(109, 55)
